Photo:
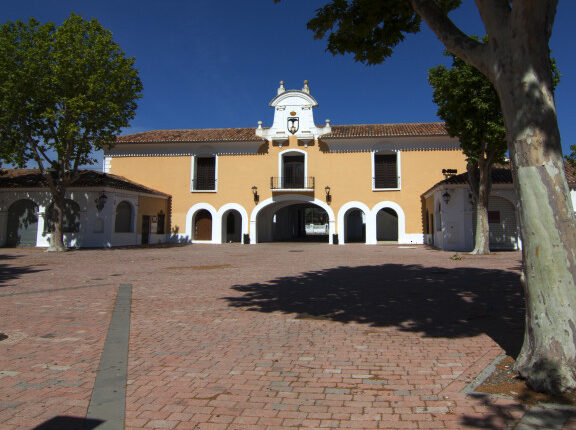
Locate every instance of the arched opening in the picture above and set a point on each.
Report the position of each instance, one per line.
(355, 226)
(203, 225)
(22, 228)
(502, 224)
(293, 222)
(123, 219)
(70, 218)
(387, 225)
(232, 227)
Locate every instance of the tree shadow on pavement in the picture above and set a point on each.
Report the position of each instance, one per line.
(439, 302)
(69, 423)
(9, 271)
(500, 416)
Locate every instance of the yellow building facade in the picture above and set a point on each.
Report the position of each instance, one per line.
(294, 180)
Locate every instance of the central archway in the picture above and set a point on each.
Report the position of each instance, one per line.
(292, 217)
(296, 222)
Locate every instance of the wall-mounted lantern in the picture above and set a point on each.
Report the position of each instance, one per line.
(255, 192)
(446, 197)
(328, 195)
(101, 201)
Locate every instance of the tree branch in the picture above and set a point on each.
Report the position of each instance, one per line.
(495, 15)
(535, 17)
(39, 154)
(37, 151)
(456, 41)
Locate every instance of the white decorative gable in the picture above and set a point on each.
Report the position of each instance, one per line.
(293, 116)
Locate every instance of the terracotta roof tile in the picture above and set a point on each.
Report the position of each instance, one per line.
(570, 171)
(32, 178)
(501, 174)
(249, 134)
(192, 135)
(388, 130)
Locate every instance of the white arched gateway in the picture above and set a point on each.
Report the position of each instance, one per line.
(352, 222)
(263, 215)
(387, 222)
(200, 223)
(232, 223)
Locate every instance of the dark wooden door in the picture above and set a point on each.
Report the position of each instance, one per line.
(145, 229)
(203, 226)
(294, 171)
(22, 223)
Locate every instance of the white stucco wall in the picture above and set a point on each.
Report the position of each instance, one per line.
(456, 218)
(96, 227)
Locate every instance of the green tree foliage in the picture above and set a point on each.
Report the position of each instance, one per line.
(366, 28)
(468, 103)
(64, 92)
(571, 158)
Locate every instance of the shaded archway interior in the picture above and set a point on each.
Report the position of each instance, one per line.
(355, 226)
(22, 223)
(387, 225)
(293, 222)
(232, 227)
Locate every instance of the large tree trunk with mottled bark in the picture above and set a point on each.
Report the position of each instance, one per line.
(479, 179)
(547, 223)
(517, 61)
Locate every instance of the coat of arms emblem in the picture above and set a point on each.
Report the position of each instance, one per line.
(293, 124)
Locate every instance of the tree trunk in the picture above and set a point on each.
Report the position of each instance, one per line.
(57, 237)
(479, 177)
(547, 223)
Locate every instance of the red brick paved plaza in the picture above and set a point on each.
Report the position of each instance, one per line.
(268, 336)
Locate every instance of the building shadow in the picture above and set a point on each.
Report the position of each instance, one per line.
(9, 272)
(69, 423)
(438, 302)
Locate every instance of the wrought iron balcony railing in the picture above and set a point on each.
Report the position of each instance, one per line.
(292, 183)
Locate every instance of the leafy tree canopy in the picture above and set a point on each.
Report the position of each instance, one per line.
(64, 90)
(469, 104)
(571, 158)
(369, 29)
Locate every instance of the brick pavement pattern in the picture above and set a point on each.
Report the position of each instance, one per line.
(269, 336)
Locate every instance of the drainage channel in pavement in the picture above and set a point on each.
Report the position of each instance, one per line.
(108, 401)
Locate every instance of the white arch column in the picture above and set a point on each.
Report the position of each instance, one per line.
(222, 211)
(42, 240)
(370, 227)
(288, 199)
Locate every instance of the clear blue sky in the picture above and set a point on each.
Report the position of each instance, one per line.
(211, 64)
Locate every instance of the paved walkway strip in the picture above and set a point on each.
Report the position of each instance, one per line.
(108, 402)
